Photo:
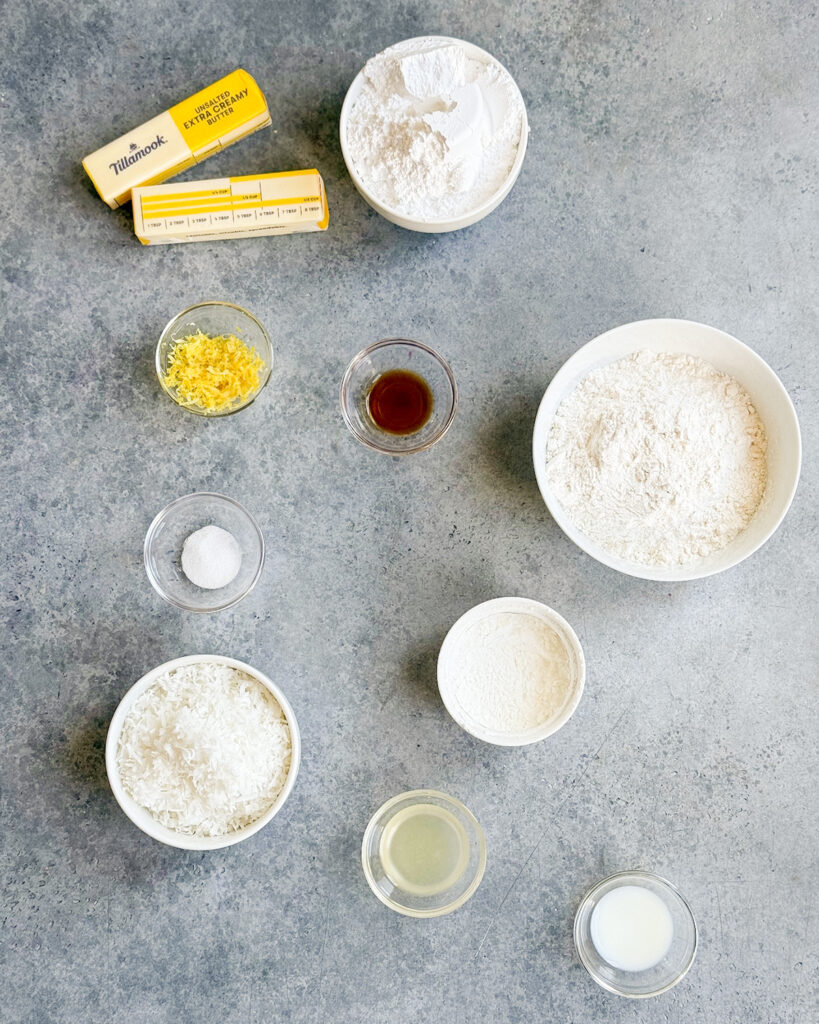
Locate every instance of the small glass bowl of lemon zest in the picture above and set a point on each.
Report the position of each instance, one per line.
(214, 373)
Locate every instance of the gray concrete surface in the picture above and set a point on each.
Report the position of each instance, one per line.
(670, 172)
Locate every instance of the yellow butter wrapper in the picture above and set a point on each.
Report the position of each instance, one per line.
(212, 119)
(254, 204)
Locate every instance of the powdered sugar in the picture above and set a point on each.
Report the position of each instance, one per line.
(433, 133)
(514, 672)
(658, 457)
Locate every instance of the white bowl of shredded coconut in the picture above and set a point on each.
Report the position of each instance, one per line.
(202, 752)
(667, 449)
(511, 671)
(433, 131)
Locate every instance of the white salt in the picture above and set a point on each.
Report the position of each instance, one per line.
(211, 558)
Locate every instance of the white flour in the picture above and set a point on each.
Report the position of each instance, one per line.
(514, 672)
(433, 133)
(658, 457)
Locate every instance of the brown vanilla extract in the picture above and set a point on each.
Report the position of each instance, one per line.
(400, 402)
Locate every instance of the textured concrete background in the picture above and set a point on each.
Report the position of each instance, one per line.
(670, 173)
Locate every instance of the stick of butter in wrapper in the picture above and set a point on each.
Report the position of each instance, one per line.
(254, 204)
(206, 122)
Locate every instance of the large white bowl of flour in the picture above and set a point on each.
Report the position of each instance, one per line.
(665, 338)
(433, 131)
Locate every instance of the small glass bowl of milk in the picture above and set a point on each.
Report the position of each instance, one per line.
(635, 934)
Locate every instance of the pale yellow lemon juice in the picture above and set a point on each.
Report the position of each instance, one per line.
(424, 849)
(423, 853)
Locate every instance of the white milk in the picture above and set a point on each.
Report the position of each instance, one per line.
(631, 928)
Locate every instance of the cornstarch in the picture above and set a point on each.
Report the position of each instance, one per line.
(659, 457)
(434, 133)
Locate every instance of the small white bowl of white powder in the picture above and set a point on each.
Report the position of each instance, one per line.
(202, 752)
(511, 671)
(667, 449)
(433, 131)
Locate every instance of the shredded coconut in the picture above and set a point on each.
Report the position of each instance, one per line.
(658, 457)
(434, 133)
(205, 749)
(514, 672)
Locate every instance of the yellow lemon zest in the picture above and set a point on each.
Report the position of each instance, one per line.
(213, 373)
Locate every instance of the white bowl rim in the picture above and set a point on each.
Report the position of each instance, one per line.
(518, 605)
(147, 823)
(441, 224)
(151, 532)
(540, 438)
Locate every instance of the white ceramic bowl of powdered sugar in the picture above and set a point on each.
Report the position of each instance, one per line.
(667, 449)
(511, 671)
(433, 131)
(202, 752)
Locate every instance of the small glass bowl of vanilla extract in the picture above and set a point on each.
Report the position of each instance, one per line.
(398, 396)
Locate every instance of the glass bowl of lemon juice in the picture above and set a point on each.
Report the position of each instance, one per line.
(423, 853)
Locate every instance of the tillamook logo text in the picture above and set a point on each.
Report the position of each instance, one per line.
(136, 154)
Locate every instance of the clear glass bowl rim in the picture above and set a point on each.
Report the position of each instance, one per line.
(190, 309)
(636, 874)
(419, 795)
(149, 536)
(364, 354)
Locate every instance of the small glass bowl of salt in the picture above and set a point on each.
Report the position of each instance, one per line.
(204, 552)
